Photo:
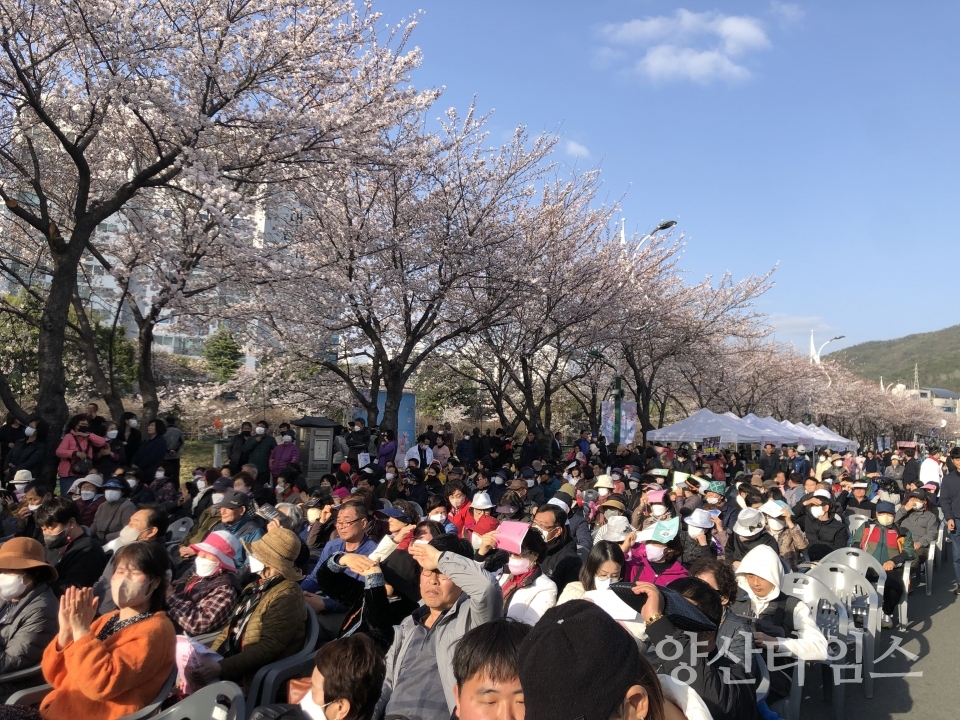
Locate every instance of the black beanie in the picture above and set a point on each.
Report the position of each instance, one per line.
(601, 662)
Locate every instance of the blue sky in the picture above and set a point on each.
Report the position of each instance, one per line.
(822, 136)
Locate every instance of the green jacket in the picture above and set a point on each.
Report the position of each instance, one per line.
(277, 629)
(891, 543)
(198, 532)
(258, 449)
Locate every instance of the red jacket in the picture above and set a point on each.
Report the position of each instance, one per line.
(461, 517)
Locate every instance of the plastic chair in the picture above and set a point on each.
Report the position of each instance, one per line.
(861, 561)
(385, 504)
(854, 522)
(35, 695)
(859, 598)
(279, 675)
(207, 638)
(763, 687)
(23, 674)
(220, 701)
(831, 618)
(164, 693)
(256, 685)
(940, 539)
(418, 509)
(929, 564)
(178, 529)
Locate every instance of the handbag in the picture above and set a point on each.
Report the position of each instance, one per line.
(81, 467)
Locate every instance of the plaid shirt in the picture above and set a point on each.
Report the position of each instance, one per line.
(202, 610)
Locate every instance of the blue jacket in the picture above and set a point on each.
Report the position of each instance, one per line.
(311, 584)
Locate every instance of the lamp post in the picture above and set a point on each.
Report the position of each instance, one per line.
(665, 225)
(815, 355)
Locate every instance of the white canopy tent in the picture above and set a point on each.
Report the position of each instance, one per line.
(843, 442)
(706, 424)
(773, 431)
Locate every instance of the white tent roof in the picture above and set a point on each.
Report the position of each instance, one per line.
(839, 439)
(705, 424)
(772, 431)
(819, 435)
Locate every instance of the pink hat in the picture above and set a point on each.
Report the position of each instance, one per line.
(222, 545)
(931, 486)
(655, 497)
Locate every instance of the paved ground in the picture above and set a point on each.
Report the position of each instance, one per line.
(933, 635)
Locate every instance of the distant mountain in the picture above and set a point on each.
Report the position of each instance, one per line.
(936, 353)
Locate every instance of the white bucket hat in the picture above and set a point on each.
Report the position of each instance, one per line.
(481, 501)
(749, 523)
(700, 518)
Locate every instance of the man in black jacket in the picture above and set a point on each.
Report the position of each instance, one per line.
(911, 471)
(824, 532)
(950, 504)
(562, 563)
(79, 559)
(358, 441)
(769, 461)
(235, 454)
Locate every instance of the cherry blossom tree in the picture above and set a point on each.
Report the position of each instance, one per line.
(102, 100)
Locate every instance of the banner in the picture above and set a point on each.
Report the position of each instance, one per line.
(628, 422)
(406, 419)
(711, 446)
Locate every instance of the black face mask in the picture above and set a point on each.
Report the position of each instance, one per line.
(55, 541)
(246, 433)
(83, 428)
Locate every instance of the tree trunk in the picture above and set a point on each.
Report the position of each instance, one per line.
(393, 383)
(145, 377)
(51, 400)
(91, 359)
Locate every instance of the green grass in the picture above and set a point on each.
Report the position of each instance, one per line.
(937, 355)
(194, 454)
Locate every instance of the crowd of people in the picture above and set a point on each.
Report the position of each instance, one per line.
(448, 579)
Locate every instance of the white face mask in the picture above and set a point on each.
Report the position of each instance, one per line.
(602, 583)
(285, 438)
(816, 512)
(313, 514)
(438, 517)
(838, 463)
(476, 540)
(655, 553)
(201, 485)
(885, 519)
(261, 431)
(112, 434)
(658, 510)
(695, 531)
(217, 498)
(11, 586)
(159, 474)
(20, 487)
(126, 593)
(456, 502)
(498, 480)
(529, 482)
(610, 514)
(132, 482)
(206, 567)
(132, 422)
(128, 535)
(112, 495)
(823, 458)
(633, 484)
(775, 524)
(33, 508)
(602, 492)
(29, 431)
(390, 476)
(713, 500)
(256, 567)
(87, 495)
(311, 709)
(518, 566)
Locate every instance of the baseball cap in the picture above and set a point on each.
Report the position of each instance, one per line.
(232, 499)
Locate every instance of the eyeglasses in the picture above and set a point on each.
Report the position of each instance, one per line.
(346, 523)
(435, 573)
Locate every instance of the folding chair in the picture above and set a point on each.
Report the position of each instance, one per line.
(313, 632)
(220, 701)
(178, 530)
(831, 617)
(940, 540)
(763, 687)
(22, 674)
(385, 504)
(860, 600)
(854, 522)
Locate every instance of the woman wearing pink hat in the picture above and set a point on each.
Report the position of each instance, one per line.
(202, 601)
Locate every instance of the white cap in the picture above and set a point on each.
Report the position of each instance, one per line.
(23, 476)
(823, 494)
(604, 481)
(93, 479)
(862, 485)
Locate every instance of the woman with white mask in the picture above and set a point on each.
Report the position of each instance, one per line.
(27, 453)
(28, 607)
(202, 601)
(698, 538)
(88, 492)
(112, 455)
(527, 592)
(115, 512)
(790, 538)
(115, 664)
(603, 567)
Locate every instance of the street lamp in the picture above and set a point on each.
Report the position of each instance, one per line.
(815, 355)
(665, 225)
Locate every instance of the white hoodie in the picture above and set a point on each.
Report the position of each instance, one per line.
(762, 561)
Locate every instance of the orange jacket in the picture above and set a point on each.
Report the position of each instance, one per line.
(107, 680)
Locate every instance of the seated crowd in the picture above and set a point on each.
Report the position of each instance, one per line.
(453, 589)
